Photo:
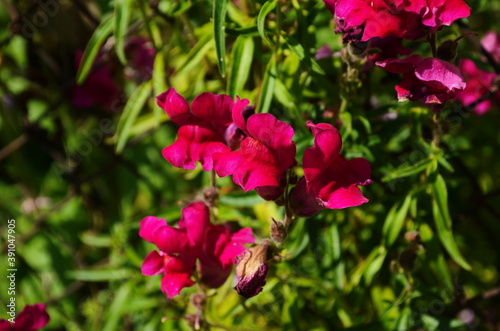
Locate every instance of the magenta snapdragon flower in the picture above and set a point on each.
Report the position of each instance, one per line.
(361, 20)
(99, 87)
(202, 127)
(265, 153)
(330, 181)
(429, 80)
(479, 83)
(215, 248)
(32, 317)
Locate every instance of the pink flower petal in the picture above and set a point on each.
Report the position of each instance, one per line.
(195, 221)
(174, 104)
(328, 175)
(148, 226)
(153, 264)
(213, 108)
(444, 12)
(32, 317)
(275, 134)
(177, 275)
(440, 73)
(171, 240)
(195, 143)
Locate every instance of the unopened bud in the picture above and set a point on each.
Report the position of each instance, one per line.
(447, 51)
(251, 269)
(278, 231)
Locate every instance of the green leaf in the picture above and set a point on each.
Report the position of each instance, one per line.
(195, 56)
(267, 89)
(100, 275)
(130, 112)
(440, 193)
(242, 57)
(159, 83)
(373, 264)
(261, 18)
(304, 56)
(410, 170)
(122, 14)
(100, 34)
(395, 221)
(219, 15)
(443, 221)
(118, 307)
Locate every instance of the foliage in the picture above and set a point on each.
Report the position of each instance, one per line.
(78, 180)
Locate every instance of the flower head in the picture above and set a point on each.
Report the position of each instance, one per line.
(330, 180)
(141, 52)
(429, 80)
(195, 239)
(479, 83)
(265, 153)
(32, 317)
(361, 20)
(202, 127)
(99, 87)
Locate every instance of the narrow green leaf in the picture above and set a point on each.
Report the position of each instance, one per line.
(195, 56)
(304, 56)
(242, 57)
(92, 49)
(159, 83)
(410, 170)
(100, 275)
(219, 15)
(261, 19)
(122, 16)
(394, 221)
(130, 113)
(440, 193)
(337, 258)
(119, 305)
(446, 237)
(267, 89)
(373, 264)
(288, 100)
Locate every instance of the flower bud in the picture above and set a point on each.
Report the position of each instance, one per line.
(447, 51)
(278, 231)
(251, 269)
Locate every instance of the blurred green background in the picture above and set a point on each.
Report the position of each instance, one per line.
(78, 179)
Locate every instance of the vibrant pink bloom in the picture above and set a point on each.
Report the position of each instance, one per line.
(429, 80)
(330, 179)
(99, 87)
(491, 43)
(361, 20)
(202, 127)
(265, 154)
(141, 52)
(32, 317)
(479, 83)
(195, 239)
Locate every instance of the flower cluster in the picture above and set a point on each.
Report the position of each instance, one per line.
(257, 150)
(215, 248)
(227, 136)
(384, 23)
(362, 20)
